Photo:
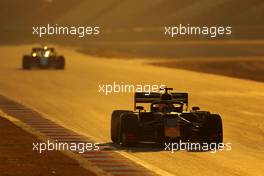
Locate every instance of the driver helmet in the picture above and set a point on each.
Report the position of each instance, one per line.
(166, 96)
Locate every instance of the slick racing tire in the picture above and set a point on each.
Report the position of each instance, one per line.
(214, 129)
(128, 130)
(26, 63)
(60, 63)
(115, 122)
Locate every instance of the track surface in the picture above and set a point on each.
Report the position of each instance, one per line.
(17, 157)
(71, 98)
(104, 158)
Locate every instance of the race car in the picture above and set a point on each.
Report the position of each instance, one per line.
(167, 120)
(43, 57)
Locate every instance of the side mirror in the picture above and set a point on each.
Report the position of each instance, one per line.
(195, 108)
(140, 108)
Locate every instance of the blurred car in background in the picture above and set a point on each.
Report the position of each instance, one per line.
(43, 57)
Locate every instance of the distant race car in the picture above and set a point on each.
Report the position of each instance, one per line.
(43, 57)
(167, 120)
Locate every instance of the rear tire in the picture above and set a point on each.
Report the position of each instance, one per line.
(60, 63)
(214, 129)
(128, 131)
(218, 128)
(27, 62)
(115, 123)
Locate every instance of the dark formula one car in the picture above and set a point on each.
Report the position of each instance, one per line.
(167, 120)
(43, 58)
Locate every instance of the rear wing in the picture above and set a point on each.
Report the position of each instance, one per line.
(37, 49)
(146, 97)
(42, 49)
(181, 97)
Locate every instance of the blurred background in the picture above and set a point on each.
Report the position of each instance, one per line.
(135, 28)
